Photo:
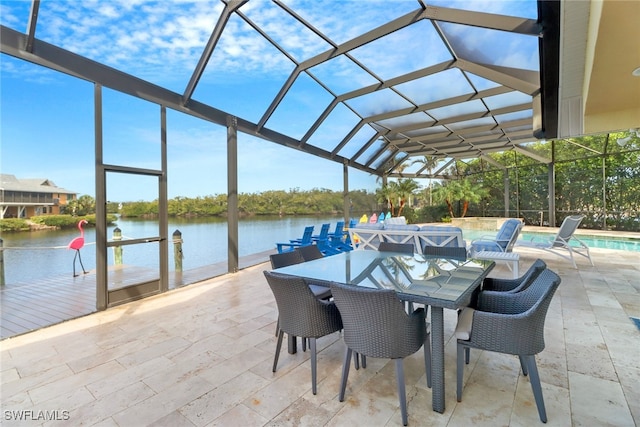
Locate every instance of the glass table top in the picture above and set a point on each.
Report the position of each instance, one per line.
(419, 278)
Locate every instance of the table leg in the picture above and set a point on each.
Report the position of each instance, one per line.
(437, 358)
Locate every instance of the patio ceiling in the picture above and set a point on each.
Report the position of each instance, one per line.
(417, 79)
(600, 51)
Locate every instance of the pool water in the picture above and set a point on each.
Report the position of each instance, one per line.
(602, 242)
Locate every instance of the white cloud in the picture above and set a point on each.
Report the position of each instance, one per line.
(108, 10)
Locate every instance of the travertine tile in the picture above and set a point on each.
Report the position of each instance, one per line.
(552, 368)
(174, 419)
(630, 382)
(10, 374)
(202, 355)
(595, 401)
(590, 360)
(359, 407)
(108, 354)
(31, 382)
(153, 351)
(301, 413)
(108, 422)
(163, 403)
(495, 409)
(239, 416)
(556, 402)
(72, 382)
(108, 404)
(128, 377)
(221, 399)
(276, 395)
(226, 369)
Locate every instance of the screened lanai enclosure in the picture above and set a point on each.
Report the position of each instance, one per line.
(368, 87)
(596, 176)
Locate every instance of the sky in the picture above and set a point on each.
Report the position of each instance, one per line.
(47, 118)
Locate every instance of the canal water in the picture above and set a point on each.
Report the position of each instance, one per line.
(30, 256)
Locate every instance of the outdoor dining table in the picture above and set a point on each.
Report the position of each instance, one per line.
(435, 281)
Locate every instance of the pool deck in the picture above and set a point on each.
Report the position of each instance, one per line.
(201, 355)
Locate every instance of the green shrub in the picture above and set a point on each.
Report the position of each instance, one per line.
(13, 224)
(69, 221)
(428, 214)
(60, 221)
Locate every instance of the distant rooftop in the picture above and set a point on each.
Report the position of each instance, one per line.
(33, 185)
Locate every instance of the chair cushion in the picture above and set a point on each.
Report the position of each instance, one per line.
(506, 232)
(465, 323)
(321, 292)
(486, 245)
(364, 225)
(395, 220)
(438, 240)
(401, 227)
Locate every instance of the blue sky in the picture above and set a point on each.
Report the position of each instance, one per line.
(47, 125)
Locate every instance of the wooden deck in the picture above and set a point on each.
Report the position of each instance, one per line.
(27, 307)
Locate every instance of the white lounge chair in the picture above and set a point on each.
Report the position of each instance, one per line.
(561, 243)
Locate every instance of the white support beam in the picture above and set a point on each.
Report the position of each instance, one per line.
(530, 153)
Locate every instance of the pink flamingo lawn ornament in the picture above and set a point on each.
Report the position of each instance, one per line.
(77, 244)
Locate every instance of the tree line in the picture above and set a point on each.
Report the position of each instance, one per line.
(593, 175)
(318, 201)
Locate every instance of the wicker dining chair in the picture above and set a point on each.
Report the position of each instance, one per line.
(376, 325)
(285, 259)
(310, 252)
(296, 257)
(405, 248)
(515, 285)
(454, 252)
(510, 323)
(301, 314)
(484, 299)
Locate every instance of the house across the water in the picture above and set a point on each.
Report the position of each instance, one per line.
(24, 198)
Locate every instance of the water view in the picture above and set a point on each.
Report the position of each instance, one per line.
(38, 255)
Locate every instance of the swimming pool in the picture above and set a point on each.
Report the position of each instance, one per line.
(602, 242)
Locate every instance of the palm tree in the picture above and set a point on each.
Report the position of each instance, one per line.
(396, 190)
(386, 194)
(471, 193)
(447, 193)
(429, 162)
(404, 189)
(462, 190)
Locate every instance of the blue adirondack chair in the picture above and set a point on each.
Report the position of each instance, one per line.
(324, 233)
(347, 237)
(323, 243)
(337, 238)
(296, 243)
(338, 232)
